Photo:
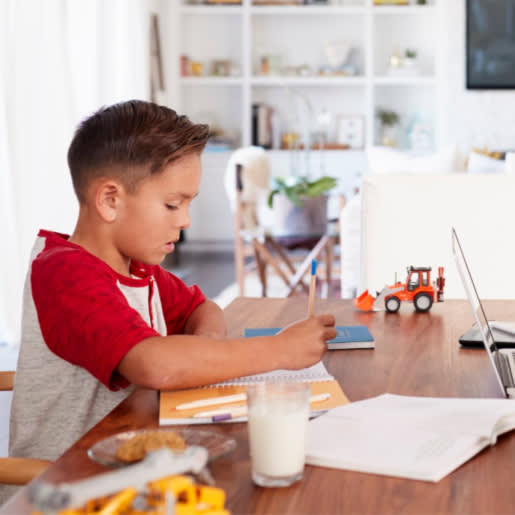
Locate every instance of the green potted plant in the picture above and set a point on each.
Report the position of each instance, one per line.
(299, 205)
(296, 188)
(389, 120)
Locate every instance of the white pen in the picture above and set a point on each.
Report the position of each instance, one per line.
(241, 410)
(212, 401)
(319, 397)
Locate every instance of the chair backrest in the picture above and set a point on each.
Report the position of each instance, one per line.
(407, 220)
(16, 471)
(255, 178)
(6, 380)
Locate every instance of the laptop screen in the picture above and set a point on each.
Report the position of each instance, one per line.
(477, 307)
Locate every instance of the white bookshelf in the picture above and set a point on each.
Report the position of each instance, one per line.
(242, 33)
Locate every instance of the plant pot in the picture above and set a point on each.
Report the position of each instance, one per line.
(389, 135)
(287, 219)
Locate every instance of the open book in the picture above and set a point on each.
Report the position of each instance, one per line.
(412, 437)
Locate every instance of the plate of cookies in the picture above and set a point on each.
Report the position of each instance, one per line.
(131, 446)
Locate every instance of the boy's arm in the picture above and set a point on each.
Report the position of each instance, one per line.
(207, 319)
(185, 361)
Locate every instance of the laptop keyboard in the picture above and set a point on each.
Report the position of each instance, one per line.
(506, 374)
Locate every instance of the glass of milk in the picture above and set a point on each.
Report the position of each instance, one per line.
(278, 416)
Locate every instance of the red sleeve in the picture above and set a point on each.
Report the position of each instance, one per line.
(84, 317)
(178, 300)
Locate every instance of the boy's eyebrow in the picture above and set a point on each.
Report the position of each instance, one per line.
(183, 195)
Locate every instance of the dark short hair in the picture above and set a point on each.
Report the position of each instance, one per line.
(130, 141)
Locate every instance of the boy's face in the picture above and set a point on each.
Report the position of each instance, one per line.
(150, 220)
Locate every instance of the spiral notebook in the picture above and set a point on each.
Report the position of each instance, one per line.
(317, 375)
(316, 372)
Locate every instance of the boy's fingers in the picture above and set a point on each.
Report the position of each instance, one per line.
(330, 333)
(327, 319)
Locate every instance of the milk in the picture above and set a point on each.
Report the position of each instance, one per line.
(277, 439)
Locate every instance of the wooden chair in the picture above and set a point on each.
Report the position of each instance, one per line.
(17, 471)
(267, 250)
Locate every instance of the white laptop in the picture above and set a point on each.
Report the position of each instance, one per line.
(503, 360)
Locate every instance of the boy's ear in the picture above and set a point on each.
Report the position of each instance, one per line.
(108, 200)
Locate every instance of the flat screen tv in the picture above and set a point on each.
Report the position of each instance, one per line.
(490, 44)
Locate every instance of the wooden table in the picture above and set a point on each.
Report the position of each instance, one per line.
(415, 354)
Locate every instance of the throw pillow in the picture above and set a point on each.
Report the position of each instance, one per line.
(482, 164)
(386, 160)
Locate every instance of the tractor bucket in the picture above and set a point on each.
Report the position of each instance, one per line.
(365, 301)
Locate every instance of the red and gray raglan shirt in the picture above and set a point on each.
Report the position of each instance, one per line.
(80, 318)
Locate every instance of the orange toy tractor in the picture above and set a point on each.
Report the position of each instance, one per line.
(417, 289)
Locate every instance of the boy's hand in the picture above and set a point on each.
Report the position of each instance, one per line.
(302, 344)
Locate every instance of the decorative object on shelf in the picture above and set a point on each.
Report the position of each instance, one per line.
(262, 125)
(390, 2)
(223, 2)
(197, 68)
(350, 131)
(322, 126)
(410, 56)
(276, 2)
(185, 65)
(338, 53)
(395, 59)
(289, 140)
(389, 124)
(221, 67)
(419, 132)
(404, 65)
(270, 64)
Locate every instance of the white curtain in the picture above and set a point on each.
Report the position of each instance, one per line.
(60, 60)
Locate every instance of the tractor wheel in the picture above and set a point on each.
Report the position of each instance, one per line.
(423, 302)
(392, 304)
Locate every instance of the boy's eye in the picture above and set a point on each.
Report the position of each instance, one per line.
(172, 207)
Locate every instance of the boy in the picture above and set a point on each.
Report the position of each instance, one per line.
(100, 315)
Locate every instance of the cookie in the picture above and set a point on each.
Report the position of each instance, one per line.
(136, 447)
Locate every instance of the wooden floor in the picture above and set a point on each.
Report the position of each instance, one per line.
(212, 271)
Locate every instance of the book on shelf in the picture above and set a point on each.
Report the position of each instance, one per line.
(216, 395)
(348, 337)
(262, 125)
(422, 438)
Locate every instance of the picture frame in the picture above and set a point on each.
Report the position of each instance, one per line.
(350, 130)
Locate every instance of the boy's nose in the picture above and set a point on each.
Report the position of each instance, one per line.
(185, 220)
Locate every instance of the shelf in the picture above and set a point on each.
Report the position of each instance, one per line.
(211, 10)
(295, 35)
(307, 81)
(402, 9)
(211, 81)
(288, 10)
(423, 80)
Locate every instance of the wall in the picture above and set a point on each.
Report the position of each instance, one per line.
(471, 118)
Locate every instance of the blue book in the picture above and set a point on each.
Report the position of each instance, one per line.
(349, 336)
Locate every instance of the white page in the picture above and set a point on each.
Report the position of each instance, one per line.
(412, 437)
(316, 372)
(475, 416)
(391, 450)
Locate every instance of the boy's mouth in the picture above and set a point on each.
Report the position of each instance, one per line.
(169, 246)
